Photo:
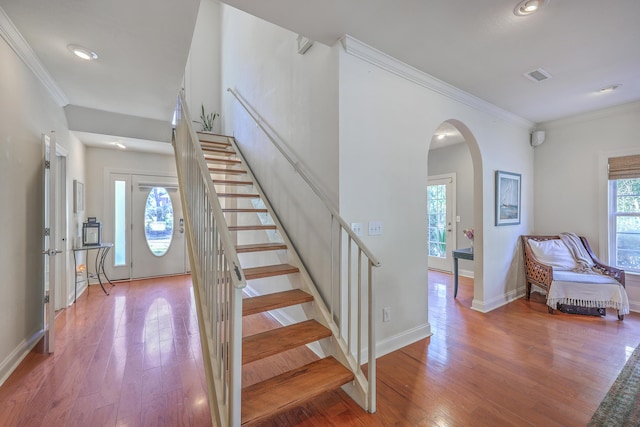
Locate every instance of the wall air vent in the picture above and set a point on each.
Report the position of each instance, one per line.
(537, 75)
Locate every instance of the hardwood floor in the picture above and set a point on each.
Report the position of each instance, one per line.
(133, 358)
(129, 359)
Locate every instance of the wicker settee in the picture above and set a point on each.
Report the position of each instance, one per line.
(545, 276)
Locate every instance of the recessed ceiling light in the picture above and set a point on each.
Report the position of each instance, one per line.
(527, 7)
(608, 89)
(82, 52)
(441, 136)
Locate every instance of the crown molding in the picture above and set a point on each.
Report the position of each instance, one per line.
(603, 113)
(380, 59)
(14, 39)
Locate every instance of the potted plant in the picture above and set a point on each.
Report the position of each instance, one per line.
(206, 120)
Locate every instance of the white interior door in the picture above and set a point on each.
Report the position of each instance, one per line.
(62, 297)
(157, 232)
(440, 220)
(50, 241)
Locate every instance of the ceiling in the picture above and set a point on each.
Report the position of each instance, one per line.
(142, 48)
(480, 47)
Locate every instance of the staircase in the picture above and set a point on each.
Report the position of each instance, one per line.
(243, 264)
(238, 200)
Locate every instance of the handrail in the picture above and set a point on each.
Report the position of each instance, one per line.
(291, 158)
(359, 314)
(216, 274)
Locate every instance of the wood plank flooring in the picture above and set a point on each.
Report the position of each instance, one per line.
(129, 359)
(133, 359)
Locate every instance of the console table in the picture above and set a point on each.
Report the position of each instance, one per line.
(101, 254)
(466, 253)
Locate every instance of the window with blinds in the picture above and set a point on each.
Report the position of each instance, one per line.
(624, 212)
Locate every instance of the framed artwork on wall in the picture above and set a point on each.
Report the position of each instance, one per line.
(508, 200)
(78, 196)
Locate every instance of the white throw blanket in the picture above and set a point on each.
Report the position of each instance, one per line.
(587, 290)
(579, 252)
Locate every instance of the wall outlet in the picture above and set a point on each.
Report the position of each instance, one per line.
(386, 314)
(375, 228)
(357, 228)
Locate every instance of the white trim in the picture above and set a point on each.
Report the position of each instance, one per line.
(14, 39)
(591, 116)
(8, 365)
(380, 59)
(403, 339)
(465, 273)
(497, 302)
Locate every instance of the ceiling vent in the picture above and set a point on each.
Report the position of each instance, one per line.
(537, 75)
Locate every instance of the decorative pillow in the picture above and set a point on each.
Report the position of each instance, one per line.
(554, 253)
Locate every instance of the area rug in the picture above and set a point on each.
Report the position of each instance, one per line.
(621, 405)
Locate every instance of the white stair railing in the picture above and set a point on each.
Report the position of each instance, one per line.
(351, 272)
(216, 274)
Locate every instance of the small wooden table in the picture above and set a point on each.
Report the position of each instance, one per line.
(466, 253)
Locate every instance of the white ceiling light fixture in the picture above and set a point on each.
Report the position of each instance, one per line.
(441, 136)
(82, 52)
(527, 7)
(609, 89)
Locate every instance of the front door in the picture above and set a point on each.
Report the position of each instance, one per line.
(441, 227)
(157, 238)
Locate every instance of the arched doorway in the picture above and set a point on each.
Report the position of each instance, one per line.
(454, 193)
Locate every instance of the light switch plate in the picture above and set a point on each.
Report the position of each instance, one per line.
(357, 228)
(375, 228)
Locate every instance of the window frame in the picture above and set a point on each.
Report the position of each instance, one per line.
(613, 215)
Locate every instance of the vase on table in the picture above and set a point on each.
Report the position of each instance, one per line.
(472, 246)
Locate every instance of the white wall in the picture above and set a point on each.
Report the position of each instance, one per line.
(387, 120)
(26, 111)
(296, 95)
(571, 176)
(378, 170)
(202, 72)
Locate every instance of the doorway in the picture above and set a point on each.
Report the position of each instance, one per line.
(452, 210)
(145, 221)
(441, 225)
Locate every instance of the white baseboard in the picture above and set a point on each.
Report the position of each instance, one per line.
(465, 273)
(11, 362)
(499, 301)
(403, 339)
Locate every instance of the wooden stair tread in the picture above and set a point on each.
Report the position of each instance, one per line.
(248, 195)
(285, 391)
(252, 227)
(218, 151)
(260, 247)
(274, 341)
(231, 182)
(244, 210)
(274, 301)
(207, 145)
(210, 159)
(269, 271)
(227, 171)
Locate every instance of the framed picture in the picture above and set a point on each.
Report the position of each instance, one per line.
(78, 196)
(508, 206)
